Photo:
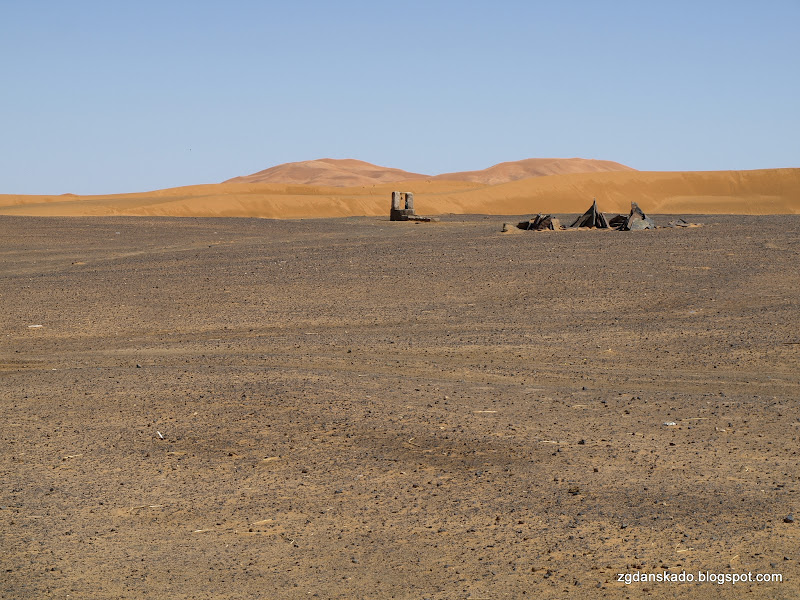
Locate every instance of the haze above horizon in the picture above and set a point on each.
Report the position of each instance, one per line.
(105, 97)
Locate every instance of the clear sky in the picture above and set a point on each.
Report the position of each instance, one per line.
(116, 96)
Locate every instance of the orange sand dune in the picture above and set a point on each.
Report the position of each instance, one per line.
(769, 191)
(328, 172)
(766, 191)
(349, 172)
(534, 167)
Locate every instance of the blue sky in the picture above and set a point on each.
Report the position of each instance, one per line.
(110, 96)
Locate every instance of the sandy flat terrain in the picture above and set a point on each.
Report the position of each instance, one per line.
(770, 191)
(353, 408)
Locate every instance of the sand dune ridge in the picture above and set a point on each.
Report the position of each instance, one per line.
(766, 191)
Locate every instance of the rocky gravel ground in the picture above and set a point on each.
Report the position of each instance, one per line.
(353, 408)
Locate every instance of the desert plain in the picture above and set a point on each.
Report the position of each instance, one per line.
(356, 408)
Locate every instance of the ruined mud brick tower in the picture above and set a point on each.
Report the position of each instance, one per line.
(402, 206)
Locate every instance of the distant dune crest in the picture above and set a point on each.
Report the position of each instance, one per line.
(534, 167)
(331, 172)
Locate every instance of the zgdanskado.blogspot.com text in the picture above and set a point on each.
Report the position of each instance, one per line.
(699, 577)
